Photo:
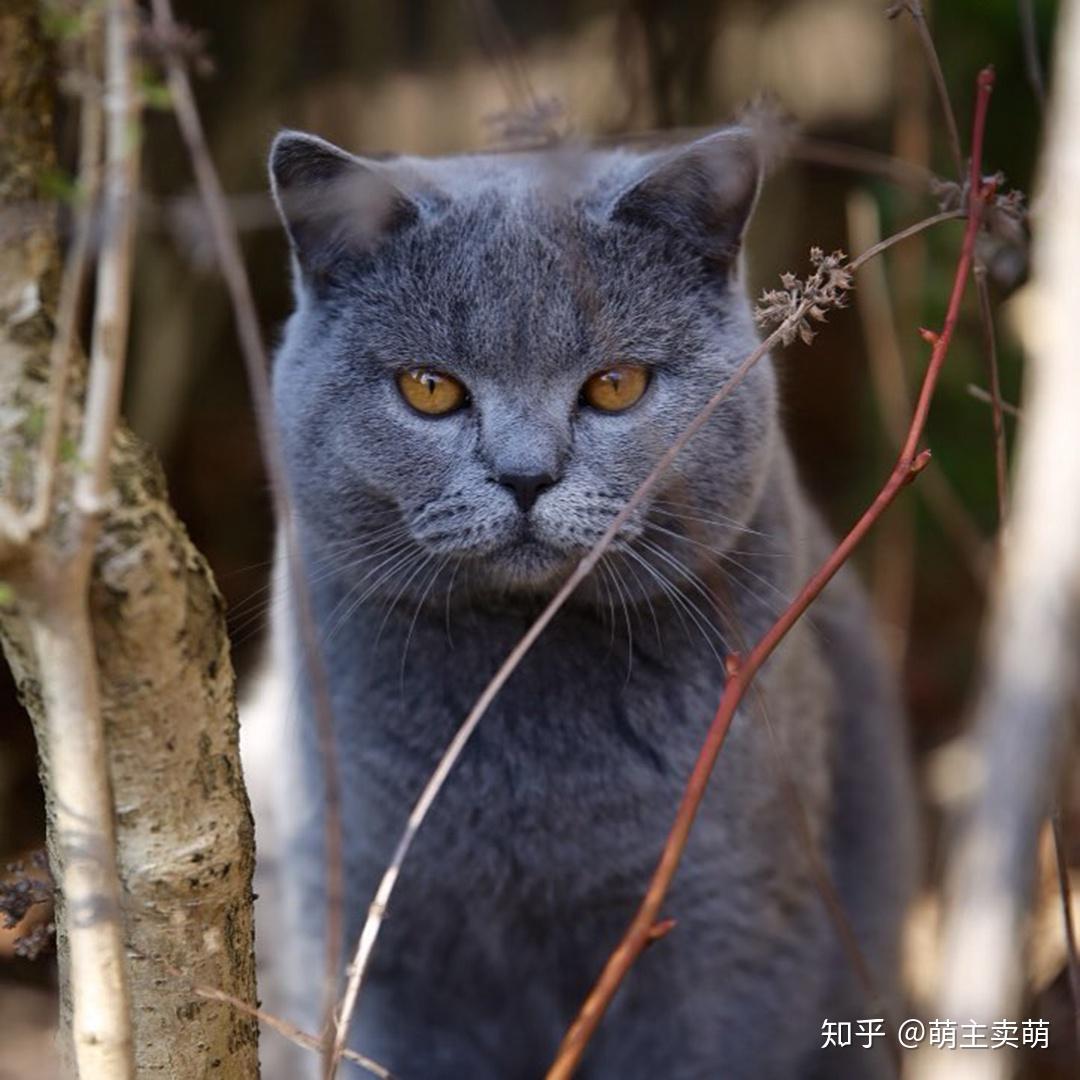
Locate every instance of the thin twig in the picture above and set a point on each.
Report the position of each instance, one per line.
(986, 317)
(72, 282)
(811, 845)
(84, 838)
(915, 9)
(227, 246)
(979, 394)
(1065, 887)
(809, 149)
(894, 561)
(823, 882)
(254, 211)
(816, 151)
(958, 520)
(903, 234)
(290, 1031)
(112, 300)
(17, 529)
(742, 672)
(1032, 64)
(939, 495)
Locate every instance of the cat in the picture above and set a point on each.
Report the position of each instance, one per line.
(488, 354)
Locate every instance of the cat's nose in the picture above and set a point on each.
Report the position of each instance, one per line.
(526, 486)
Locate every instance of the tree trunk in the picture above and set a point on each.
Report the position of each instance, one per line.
(184, 831)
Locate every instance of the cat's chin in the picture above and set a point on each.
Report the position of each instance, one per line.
(528, 565)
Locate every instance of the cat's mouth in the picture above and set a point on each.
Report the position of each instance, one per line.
(529, 561)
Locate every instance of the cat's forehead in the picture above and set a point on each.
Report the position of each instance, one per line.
(508, 288)
(534, 262)
(564, 173)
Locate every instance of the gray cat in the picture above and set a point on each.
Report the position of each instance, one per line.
(488, 354)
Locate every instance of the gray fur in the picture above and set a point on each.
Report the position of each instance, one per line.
(521, 275)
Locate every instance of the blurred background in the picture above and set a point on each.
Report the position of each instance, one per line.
(443, 76)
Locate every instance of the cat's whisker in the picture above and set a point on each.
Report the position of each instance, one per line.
(619, 586)
(660, 579)
(603, 580)
(396, 561)
(632, 570)
(386, 554)
(773, 609)
(696, 513)
(728, 617)
(717, 551)
(243, 614)
(679, 604)
(439, 568)
(449, 592)
(399, 595)
(327, 561)
(263, 564)
(694, 581)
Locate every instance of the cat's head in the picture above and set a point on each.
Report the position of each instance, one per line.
(489, 353)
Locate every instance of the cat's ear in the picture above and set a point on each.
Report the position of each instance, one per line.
(704, 192)
(333, 203)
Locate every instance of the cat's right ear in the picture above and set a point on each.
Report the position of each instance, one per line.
(332, 203)
(704, 192)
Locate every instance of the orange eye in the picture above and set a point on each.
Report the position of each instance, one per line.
(431, 392)
(616, 388)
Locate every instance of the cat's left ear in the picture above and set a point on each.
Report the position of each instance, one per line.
(705, 192)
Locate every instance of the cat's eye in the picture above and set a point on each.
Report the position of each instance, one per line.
(616, 388)
(432, 392)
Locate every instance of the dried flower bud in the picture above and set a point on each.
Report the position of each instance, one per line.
(792, 308)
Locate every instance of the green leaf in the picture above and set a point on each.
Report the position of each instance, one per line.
(59, 185)
(155, 93)
(34, 424)
(62, 23)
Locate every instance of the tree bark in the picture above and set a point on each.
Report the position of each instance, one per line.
(184, 832)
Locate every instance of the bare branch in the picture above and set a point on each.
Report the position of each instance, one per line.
(84, 832)
(986, 317)
(903, 234)
(125, 671)
(289, 1031)
(112, 302)
(915, 9)
(1032, 64)
(979, 394)
(256, 362)
(888, 376)
(72, 285)
(85, 838)
(894, 561)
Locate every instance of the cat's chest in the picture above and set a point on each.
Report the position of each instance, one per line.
(587, 745)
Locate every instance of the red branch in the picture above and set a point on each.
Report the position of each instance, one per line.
(644, 928)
